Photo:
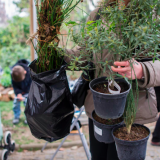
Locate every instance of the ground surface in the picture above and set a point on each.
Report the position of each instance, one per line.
(153, 152)
(74, 153)
(20, 133)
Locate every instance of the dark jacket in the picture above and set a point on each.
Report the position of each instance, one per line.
(23, 86)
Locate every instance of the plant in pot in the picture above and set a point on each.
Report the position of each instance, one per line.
(126, 34)
(49, 109)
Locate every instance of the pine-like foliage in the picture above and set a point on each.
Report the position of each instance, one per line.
(50, 16)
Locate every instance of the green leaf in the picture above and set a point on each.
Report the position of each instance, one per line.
(85, 73)
(71, 23)
(90, 22)
(153, 59)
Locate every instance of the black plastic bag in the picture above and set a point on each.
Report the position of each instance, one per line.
(49, 110)
(79, 91)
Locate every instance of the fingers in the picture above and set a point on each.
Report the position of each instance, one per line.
(123, 63)
(121, 73)
(125, 69)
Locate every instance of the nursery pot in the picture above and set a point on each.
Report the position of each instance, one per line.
(109, 106)
(103, 132)
(131, 150)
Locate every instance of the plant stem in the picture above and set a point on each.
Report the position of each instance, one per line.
(129, 129)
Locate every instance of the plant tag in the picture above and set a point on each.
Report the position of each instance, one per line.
(98, 130)
(116, 86)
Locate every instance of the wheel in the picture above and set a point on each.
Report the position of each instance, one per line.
(13, 145)
(7, 138)
(4, 154)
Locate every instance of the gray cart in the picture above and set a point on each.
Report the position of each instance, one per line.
(7, 145)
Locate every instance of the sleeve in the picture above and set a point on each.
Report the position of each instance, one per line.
(76, 51)
(151, 74)
(15, 88)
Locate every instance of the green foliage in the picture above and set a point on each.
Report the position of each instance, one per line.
(131, 106)
(50, 15)
(126, 34)
(17, 31)
(13, 41)
(6, 78)
(132, 32)
(22, 4)
(11, 54)
(7, 70)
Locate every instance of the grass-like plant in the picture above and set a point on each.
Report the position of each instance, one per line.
(50, 16)
(126, 33)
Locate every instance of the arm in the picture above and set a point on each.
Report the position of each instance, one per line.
(77, 51)
(151, 74)
(16, 89)
(70, 52)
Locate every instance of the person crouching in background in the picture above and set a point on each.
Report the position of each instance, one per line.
(21, 82)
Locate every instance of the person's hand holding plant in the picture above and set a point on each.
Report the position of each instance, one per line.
(130, 69)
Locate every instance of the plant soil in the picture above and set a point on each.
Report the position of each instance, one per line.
(137, 133)
(107, 121)
(103, 87)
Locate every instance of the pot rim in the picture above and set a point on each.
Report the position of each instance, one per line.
(109, 126)
(106, 93)
(122, 125)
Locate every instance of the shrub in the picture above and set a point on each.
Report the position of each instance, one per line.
(6, 78)
(129, 32)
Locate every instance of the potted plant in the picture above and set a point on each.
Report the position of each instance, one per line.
(103, 128)
(127, 33)
(131, 146)
(49, 109)
(109, 104)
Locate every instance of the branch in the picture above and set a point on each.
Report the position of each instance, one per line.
(92, 3)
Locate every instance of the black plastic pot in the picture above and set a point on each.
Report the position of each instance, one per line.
(131, 150)
(103, 132)
(109, 106)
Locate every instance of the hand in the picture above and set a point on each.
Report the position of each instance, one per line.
(20, 97)
(125, 69)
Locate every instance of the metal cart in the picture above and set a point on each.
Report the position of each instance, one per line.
(7, 145)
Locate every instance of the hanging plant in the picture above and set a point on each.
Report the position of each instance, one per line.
(50, 16)
(49, 110)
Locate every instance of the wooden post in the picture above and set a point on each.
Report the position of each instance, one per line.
(31, 28)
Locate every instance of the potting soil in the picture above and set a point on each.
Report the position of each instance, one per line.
(137, 133)
(103, 87)
(107, 121)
